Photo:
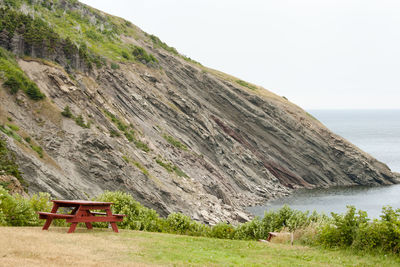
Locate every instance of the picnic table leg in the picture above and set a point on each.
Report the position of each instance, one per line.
(113, 224)
(50, 219)
(88, 224)
(78, 213)
(72, 227)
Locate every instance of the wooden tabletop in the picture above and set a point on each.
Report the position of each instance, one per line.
(81, 202)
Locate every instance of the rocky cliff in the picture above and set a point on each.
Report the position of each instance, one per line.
(127, 112)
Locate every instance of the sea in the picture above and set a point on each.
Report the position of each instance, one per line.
(376, 132)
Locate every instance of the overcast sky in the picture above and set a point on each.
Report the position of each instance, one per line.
(318, 53)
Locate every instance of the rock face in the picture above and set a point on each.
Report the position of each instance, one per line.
(202, 144)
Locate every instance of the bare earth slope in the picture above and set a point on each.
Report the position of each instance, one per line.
(202, 144)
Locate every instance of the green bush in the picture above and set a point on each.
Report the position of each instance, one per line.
(222, 231)
(137, 216)
(81, 122)
(141, 55)
(41, 202)
(13, 84)
(3, 221)
(252, 230)
(125, 55)
(67, 112)
(129, 135)
(381, 234)
(179, 223)
(390, 220)
(16, 210)
(343, 229)
(114, 66)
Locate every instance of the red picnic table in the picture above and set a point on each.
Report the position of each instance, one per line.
(81, 212)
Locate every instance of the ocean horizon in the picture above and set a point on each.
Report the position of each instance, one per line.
(375, 131)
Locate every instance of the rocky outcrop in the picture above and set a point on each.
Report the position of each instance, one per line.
(178, 136)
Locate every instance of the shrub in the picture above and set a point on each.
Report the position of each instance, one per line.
(16, 210)
(67, 112)
(33, 91)
(179, 223)
(3, 221)
(13, 84)
(222, 231)
(141, 55)
(390, 229)
(40, 202)
(343, 229)
(252, 230)
(81, 122)
(125, 55)
(137, 216)
(129, 136)
(277, 220)
(114, 66)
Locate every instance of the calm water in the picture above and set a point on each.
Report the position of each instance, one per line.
(374, 131)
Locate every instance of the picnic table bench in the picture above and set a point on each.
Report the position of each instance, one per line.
(82, 212)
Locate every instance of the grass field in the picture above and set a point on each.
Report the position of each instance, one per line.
(30, 246)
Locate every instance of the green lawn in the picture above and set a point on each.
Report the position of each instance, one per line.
(20, 246)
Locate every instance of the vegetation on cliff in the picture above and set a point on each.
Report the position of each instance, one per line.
(15, 79)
